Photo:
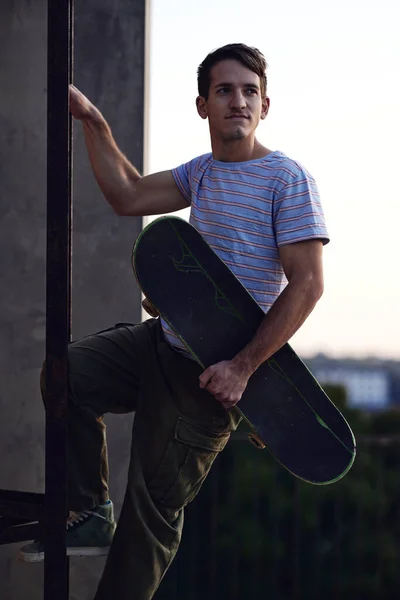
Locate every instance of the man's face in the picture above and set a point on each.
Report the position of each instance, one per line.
(235, 104)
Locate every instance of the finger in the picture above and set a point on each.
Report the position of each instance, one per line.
(229, 404)
(228, 400)
(206, 377)
(226, 404)
(74, 92)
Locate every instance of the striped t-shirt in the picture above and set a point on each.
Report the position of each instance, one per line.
(246, 211)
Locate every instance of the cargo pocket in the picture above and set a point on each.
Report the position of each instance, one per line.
(185, 465)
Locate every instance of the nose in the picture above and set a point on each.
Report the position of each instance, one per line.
(238, 100)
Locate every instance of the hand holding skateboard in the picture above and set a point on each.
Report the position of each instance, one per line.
(203, 302)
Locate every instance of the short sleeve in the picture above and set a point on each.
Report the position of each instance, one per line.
(181, 176)
(298, 213)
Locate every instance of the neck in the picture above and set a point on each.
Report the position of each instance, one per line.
(238, 150)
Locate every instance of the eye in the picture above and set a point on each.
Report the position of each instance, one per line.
(252, 91)
(223, 90)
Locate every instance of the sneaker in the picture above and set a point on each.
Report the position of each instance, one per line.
(89, 533)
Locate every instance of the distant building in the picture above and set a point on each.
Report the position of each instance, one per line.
(366, 388)
(371, 383)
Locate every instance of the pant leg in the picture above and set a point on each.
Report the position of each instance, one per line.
(103, 377)
(178, 432)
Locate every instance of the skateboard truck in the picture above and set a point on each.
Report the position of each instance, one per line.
(256, 441)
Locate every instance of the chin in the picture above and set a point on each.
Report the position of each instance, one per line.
(237, 134)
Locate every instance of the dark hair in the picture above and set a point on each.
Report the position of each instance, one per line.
(251, 58)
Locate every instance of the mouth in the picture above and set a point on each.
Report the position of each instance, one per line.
(237, 117)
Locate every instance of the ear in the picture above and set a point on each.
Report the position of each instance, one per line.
(265, 107)
(201, 105)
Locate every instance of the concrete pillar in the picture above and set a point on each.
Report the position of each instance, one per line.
(109, 68)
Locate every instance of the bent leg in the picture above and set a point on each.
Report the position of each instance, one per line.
(178, 432)
(103, 377)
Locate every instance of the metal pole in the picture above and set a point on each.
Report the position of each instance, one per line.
(58, 293)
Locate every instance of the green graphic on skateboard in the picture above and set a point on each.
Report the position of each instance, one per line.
(213, 314)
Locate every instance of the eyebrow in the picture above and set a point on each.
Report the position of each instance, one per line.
(253, 85)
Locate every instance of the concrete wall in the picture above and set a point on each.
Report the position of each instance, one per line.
(109, 68)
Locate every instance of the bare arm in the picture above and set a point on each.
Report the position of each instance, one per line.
(124, 188)
(302, 263)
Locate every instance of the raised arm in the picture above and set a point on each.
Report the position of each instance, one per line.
(124, 188)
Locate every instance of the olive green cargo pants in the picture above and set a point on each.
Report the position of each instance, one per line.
(178, 431)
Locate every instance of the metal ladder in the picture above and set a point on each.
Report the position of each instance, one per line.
(23, 515)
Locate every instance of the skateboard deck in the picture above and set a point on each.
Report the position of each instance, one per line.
(208, 308)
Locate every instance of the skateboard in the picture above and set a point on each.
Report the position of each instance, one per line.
(214, 316)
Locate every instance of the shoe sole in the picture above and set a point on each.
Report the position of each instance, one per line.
(88, 551)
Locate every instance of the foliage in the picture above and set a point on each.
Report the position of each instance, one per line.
(281, 538)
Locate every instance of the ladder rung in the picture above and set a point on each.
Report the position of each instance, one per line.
(22, 505)
(20, 533)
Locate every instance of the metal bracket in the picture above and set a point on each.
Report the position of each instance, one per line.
(256, 441)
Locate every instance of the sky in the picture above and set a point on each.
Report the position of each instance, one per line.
(334, 84)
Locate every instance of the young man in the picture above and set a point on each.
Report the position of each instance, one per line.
(261, 213)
